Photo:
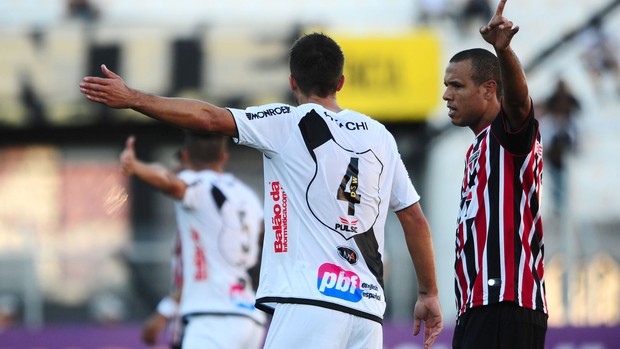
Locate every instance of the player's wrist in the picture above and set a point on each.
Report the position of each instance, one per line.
(167, 307)
(428, 293)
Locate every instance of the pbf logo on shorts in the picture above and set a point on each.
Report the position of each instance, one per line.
(336, 282)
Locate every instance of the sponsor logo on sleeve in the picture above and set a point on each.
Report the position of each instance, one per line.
(279, 218)
(268, 112)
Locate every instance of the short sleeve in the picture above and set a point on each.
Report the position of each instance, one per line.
(403, 192)
(193, 192)
(518, 142)
(266, 128)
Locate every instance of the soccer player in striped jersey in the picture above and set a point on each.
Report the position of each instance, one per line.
(499, 272)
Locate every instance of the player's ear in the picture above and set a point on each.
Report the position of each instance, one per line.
(292, 83)
(340, 83)
(489, 89)
(185, 155)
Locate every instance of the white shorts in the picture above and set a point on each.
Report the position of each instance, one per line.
(223, 332)
(303, 326)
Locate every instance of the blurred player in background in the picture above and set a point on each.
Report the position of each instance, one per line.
(219, 220)
(167, 314)
(331, 175)
(499, 272)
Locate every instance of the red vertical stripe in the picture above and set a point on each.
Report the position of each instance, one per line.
(527, 226)
(460, 276)
(480, 223)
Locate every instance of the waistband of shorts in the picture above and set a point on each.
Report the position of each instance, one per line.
(524, 314)
(261, 304)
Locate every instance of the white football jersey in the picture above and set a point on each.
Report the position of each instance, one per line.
(330, 179)
(219, 220)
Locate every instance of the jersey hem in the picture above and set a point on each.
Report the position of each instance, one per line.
(406, 207)
(481, 304)
(269, 310)
(188, 316)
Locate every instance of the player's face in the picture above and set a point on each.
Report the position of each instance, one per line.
(464, 98)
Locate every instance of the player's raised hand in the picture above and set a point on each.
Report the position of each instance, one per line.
(499, 31)
(128, 156)
(110, 90)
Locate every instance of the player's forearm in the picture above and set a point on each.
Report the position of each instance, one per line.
(421, 249)
(420, 246)
(514, 83)
(185, 113)
(157, 176)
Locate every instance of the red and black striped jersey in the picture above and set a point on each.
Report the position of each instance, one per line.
(499, 237)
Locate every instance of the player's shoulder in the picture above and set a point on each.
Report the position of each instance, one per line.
(188, 176)
(198, 179)
(362, 122)
(269, 110)
(236, 188)
(232, 182)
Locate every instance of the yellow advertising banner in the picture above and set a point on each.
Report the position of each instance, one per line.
(392, 78)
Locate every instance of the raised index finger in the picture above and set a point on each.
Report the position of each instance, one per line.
(500, 8)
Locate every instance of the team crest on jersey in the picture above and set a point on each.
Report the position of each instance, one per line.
(473, 157)
(539, 149)
(347, 254)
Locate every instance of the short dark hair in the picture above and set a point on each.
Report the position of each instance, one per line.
(204, 148)
(484, 64)
(316, 62)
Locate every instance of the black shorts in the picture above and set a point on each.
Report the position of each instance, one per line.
(502, 325)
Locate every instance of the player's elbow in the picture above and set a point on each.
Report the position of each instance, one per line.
(217, 120)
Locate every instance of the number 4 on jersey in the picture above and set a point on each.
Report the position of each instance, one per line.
(350, 178)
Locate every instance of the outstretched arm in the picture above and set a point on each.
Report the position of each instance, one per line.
(191, 114)
(420, 245)
(154, 174)
(516, 100)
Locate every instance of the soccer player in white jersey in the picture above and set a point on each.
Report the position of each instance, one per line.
(330, 176)
(219, 221)
(166, 314)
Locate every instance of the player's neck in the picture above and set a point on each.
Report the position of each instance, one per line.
(215, 167)
(328, 102)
